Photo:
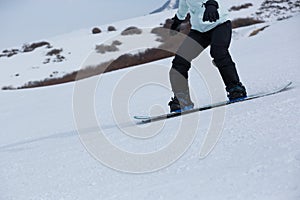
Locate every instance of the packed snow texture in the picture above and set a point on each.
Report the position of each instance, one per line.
(257, 157)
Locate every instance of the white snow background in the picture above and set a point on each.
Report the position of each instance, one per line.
(257, 157)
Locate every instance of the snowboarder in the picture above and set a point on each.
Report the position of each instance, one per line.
(209, 26)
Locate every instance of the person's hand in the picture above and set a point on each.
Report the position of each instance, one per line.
(211, 11)
(175, 27)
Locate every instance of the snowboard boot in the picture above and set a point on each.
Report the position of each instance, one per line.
(181, 102)
(236, 92)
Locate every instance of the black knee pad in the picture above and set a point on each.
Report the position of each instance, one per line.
(181, 66)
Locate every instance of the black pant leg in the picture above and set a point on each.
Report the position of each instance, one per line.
(191, 47)
(220, 42)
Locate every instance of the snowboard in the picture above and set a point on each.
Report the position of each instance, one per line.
(149, 119)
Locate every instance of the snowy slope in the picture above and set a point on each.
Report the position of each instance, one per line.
(257, 157)
(76, 47)
(169, 5)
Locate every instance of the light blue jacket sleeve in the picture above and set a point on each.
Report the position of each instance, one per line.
(182, 9)
(196, 10)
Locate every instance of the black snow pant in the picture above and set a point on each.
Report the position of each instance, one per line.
(219, 40)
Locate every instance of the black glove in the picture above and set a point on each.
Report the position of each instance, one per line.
(175, 27)
(211, 11)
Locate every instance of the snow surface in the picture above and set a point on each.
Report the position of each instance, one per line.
(257, 157)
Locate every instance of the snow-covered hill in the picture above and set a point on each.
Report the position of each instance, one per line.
(36, 65)
(169, 5)
(257, 157)
(21, 67)
(30, 20)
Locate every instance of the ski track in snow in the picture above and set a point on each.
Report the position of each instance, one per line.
(257, 157)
